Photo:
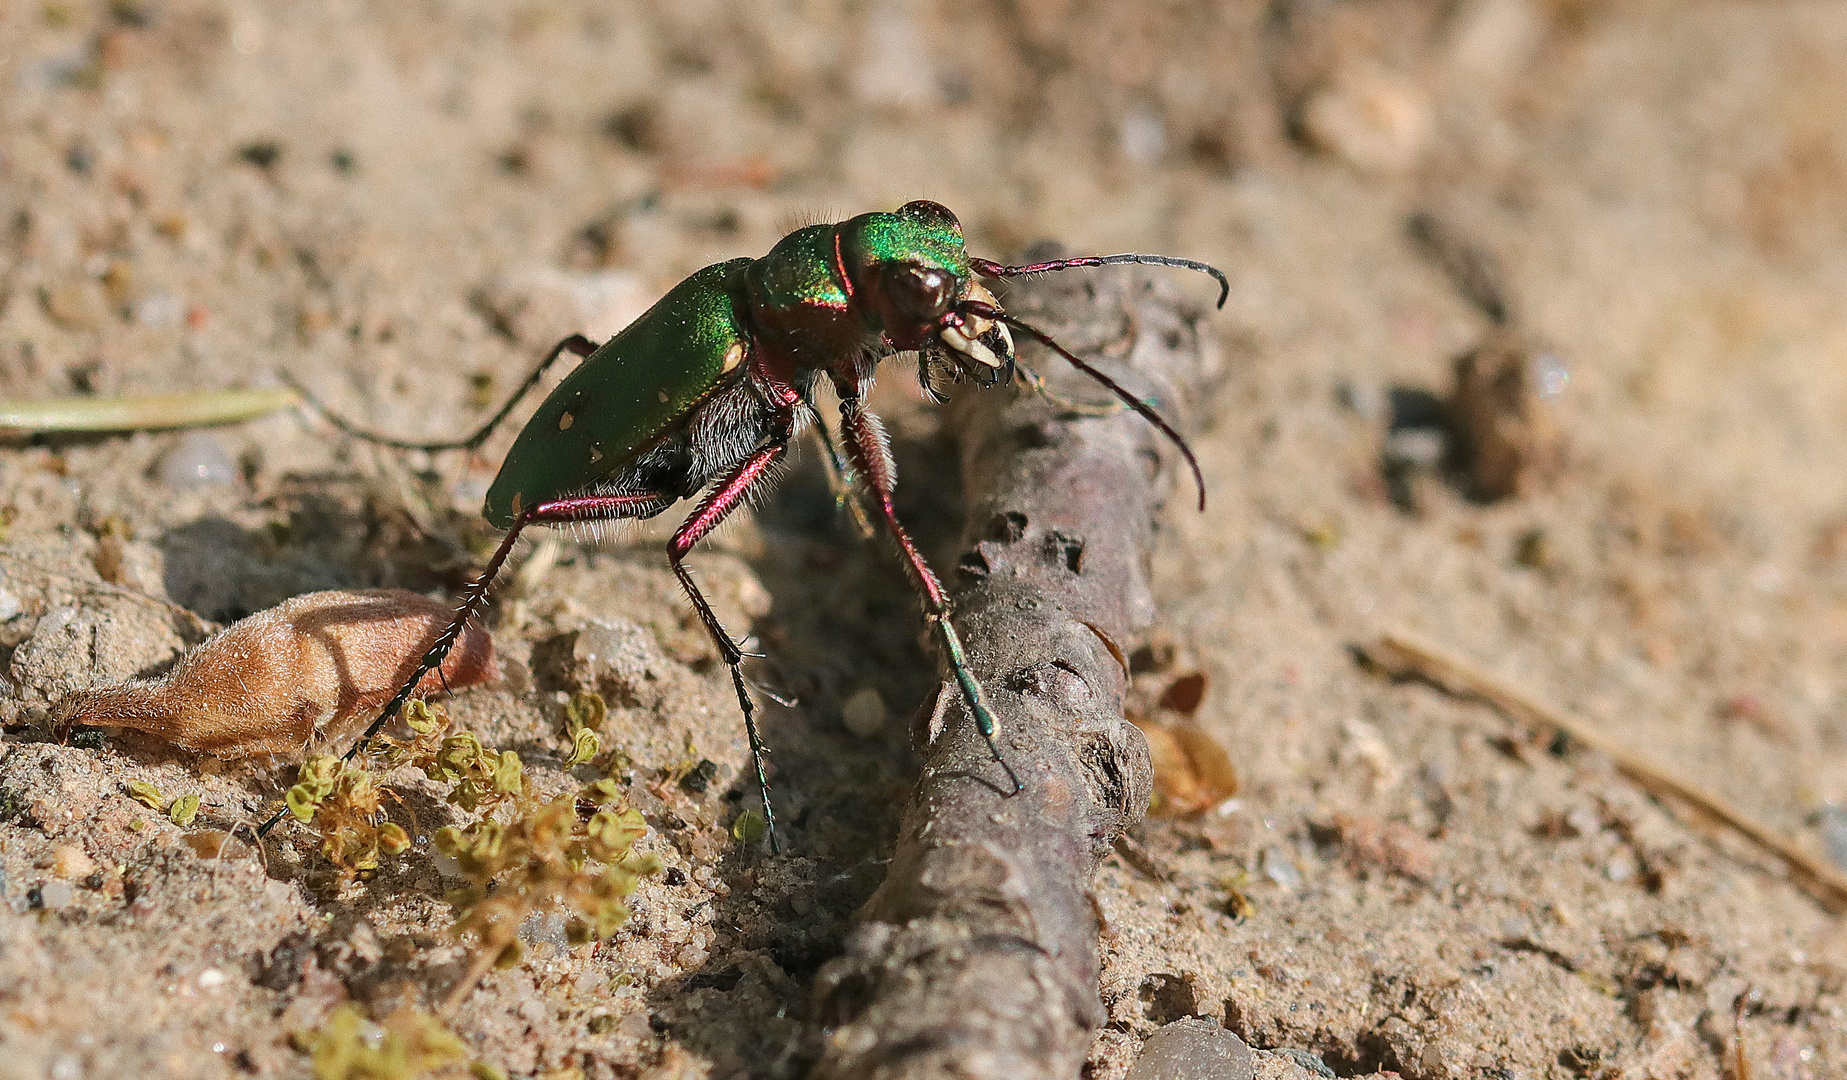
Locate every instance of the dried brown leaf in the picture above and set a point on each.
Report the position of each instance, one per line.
(1192, 772)
(313, 666)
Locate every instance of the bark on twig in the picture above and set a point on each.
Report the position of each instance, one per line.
(977, 957)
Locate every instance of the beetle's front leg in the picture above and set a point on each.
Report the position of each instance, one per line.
(866, 446)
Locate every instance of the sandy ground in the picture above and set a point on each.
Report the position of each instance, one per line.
(403, 203)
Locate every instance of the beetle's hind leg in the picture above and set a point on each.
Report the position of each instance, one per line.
(474, 597)
(577, 345)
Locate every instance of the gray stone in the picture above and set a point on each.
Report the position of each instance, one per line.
(197, 460)
(1193, 1050)
(56, 894)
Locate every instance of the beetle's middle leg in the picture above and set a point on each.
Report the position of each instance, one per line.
(713, 509)
(865, 444)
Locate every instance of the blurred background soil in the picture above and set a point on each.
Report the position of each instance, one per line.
(403, 204)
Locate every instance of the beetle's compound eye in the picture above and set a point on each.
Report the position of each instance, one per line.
(917, 294)
(925, 212)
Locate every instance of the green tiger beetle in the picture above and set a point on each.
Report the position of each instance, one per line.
(705, 392)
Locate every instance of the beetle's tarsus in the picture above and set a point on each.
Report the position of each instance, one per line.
(757, 753)
(1018, 787)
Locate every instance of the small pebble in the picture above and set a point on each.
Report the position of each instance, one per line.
(635, 1025)
(211, 978)
(76, 304)
(196, 461)
(159, 310)
(1193, 1050)
(207, 843)
(1276, 865)
(1834, 833)
(1534, 550)
(1362, 399)
(1142, 136)
(68, 861)
(1374, 120)
(56, 894)
(1582, 821)
(619, 658)
(864, 713)
(545, 927)
(1307, 1059)
(1550, 374)
(1504, 414)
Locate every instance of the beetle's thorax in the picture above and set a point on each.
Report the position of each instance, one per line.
(802, 305)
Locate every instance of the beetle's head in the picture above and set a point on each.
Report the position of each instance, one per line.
(911, 273)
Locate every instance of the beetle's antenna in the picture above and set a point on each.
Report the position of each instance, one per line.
(987, 268)
(576, 344)
(989, 311)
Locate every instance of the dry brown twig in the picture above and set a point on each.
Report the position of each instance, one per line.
(977, 957)
(1403, 653)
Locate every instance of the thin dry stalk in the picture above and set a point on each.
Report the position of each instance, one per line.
(1404, 653)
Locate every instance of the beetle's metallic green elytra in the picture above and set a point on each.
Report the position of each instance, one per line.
(627, 394)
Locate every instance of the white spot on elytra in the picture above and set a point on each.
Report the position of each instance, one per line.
(663, 397)
(734, 356)
(565, 420)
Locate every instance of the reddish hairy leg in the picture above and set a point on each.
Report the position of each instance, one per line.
(586, 508)
(718, 505)
(865, 445)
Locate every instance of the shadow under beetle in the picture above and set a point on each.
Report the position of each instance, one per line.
(704, 393)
